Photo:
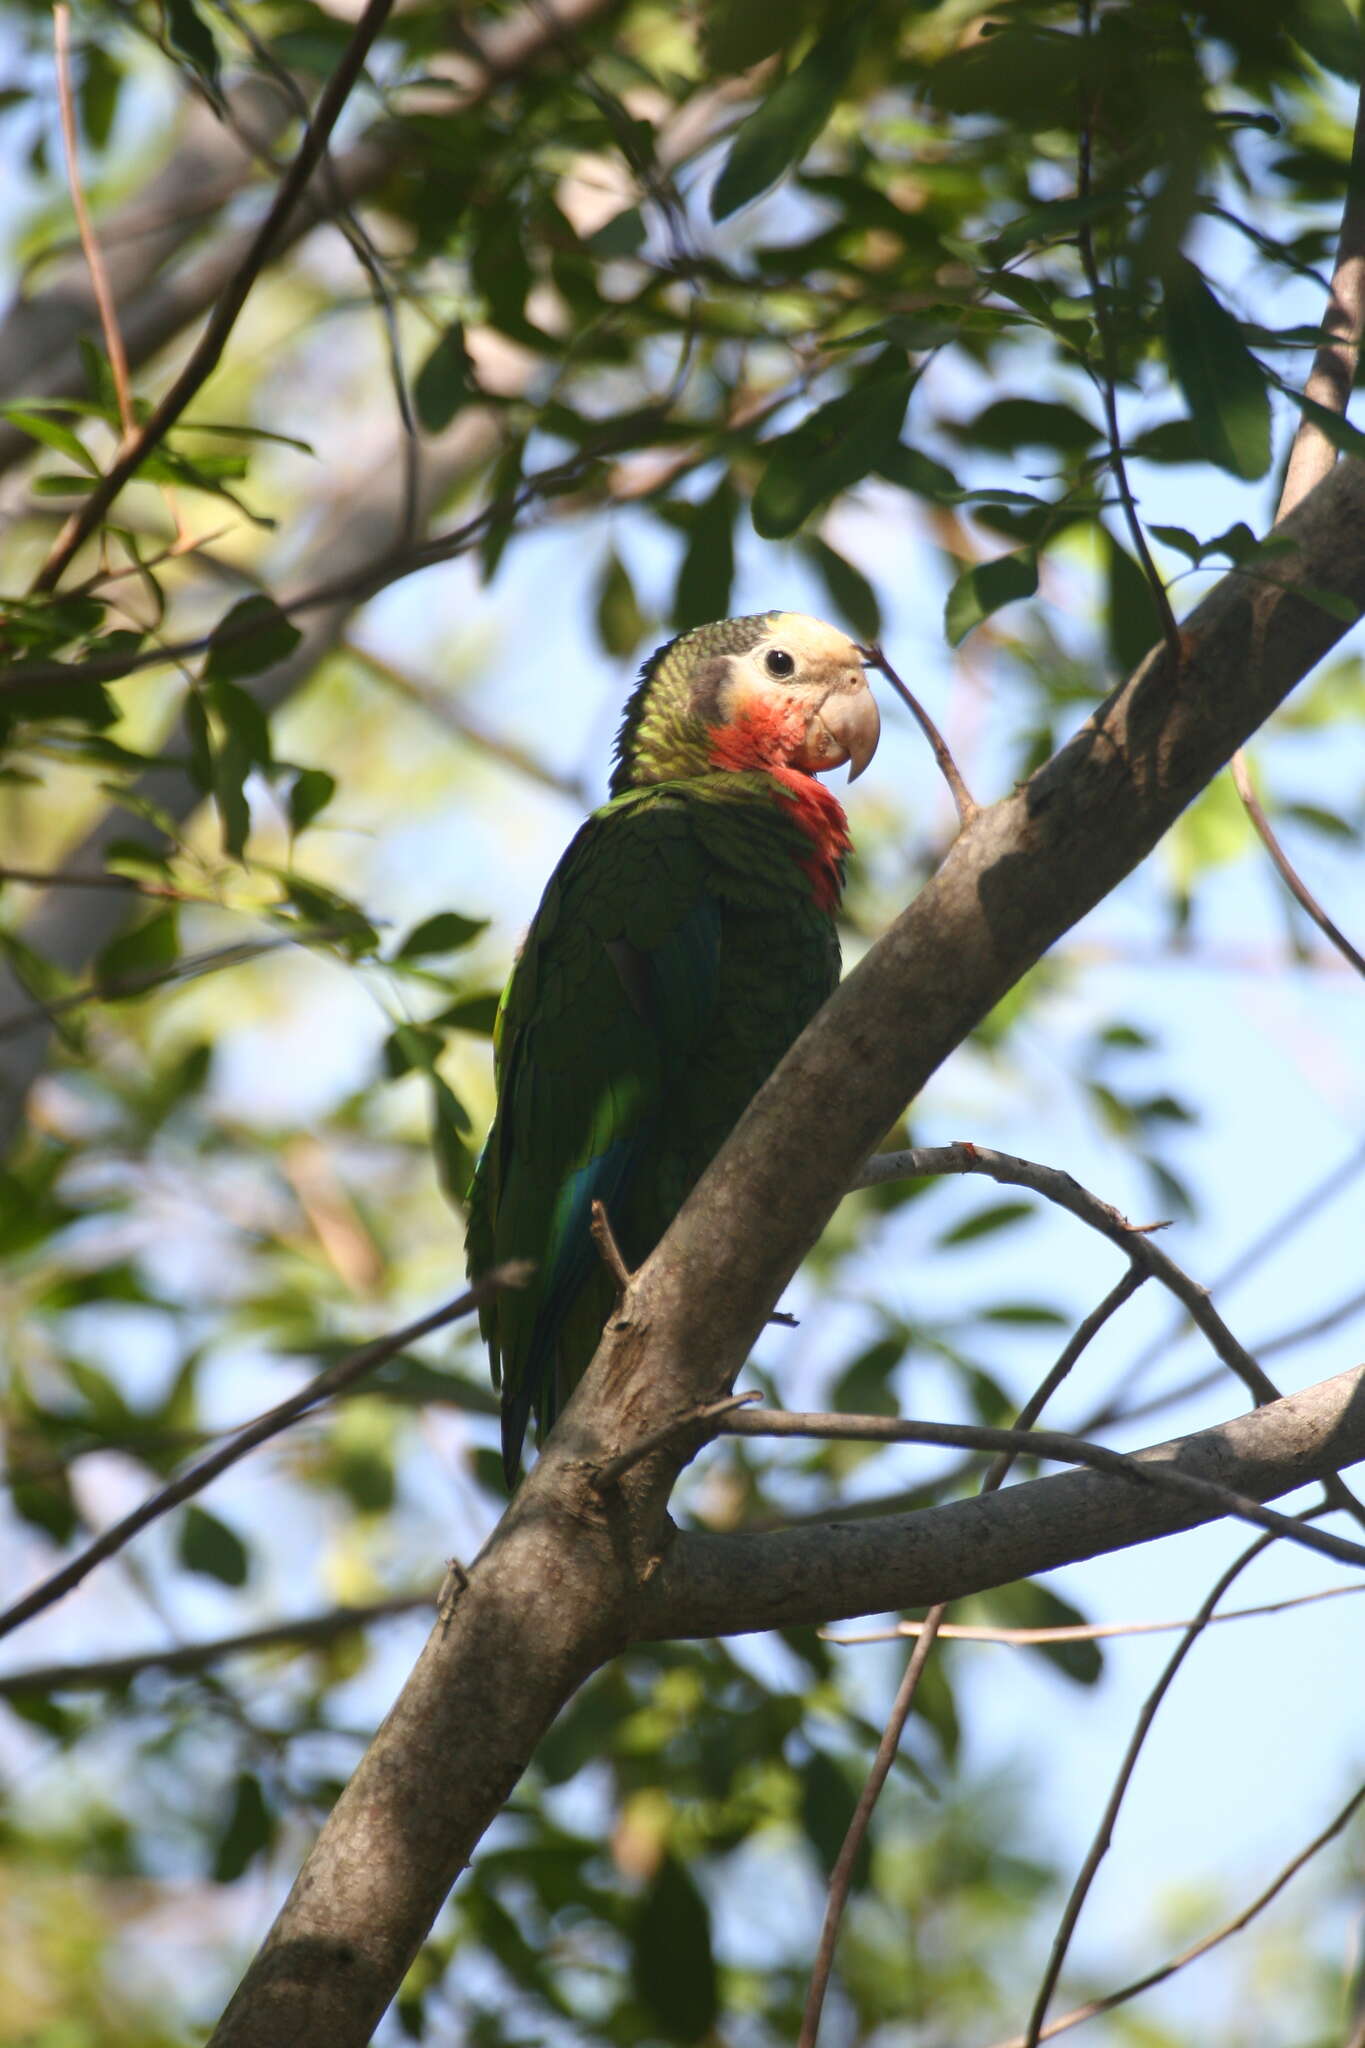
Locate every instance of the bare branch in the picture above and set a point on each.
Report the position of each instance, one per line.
(842, 1875)
(1289, 874)
(1093, 2006)
(1042, 1443)
(1081, 1631)
(111, 1674)
(1122, 1291)
(322, 1387)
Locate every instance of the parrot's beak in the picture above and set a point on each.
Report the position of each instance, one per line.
(845, 728)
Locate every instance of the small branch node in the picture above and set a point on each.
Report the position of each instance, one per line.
(452, 1586)
(605, 1476)
(605, 1241)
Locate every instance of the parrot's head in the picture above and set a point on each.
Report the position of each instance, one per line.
(777, 690)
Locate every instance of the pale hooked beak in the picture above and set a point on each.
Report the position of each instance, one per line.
(846, 727)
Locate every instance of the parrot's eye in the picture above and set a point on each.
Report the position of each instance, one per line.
(778, 662)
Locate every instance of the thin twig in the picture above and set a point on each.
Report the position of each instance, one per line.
(966, 805)
(111, 1674)
(58, 878)
(607, 1474)
(204, 356)
(185, 969)
(94, 262)
(927, 1631)
(1108, 381)
(322, 1387)
(1052, 1444)
(1104, 1833)
(1289, 875)
(1122, 1291)
(1094, 2006)
(1068, 1194)
(1080, 1631)
(842, 1875)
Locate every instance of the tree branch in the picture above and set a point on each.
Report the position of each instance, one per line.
(714, 1584)
(570, 1575)
(111, 1674)
(332, 1380)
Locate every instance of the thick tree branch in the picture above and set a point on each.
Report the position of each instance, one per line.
(570, 1576)
(732, 1584)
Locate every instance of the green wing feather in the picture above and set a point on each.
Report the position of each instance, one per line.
(675, 955)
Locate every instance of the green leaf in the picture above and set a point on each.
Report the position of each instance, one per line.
(329, 911)
(1223, 385)
(446, 932)
(454, 1161)
(671, 1965)
(622, 235)
(248, 1829)
(1011, 423)
(231, 766)
(311, 792)
(445, 381)
(862, 1388)
(253, 636)
(780, 131)
(188, 35)
(833, 449)
(1133, 621)
(244, 719)
(984, 1223)
(981, 590)
(827, 1805)
(1029, 1605)
(52, 434)
(200, 740)
(850, 592)
(706, 573)
(208, 1546)
(134, 956)
(1346, 439)
(99, 88)
(411, 1045)
(621, 624)
(477, 1013)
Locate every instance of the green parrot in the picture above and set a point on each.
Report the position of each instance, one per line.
(684, 940)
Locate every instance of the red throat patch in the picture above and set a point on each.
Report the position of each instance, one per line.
(765, 735)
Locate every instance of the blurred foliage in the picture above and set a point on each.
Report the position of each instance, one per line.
(679, 280)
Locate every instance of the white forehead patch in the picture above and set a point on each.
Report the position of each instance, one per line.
(810, 640)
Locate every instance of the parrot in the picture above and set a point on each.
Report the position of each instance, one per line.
(682, 943)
